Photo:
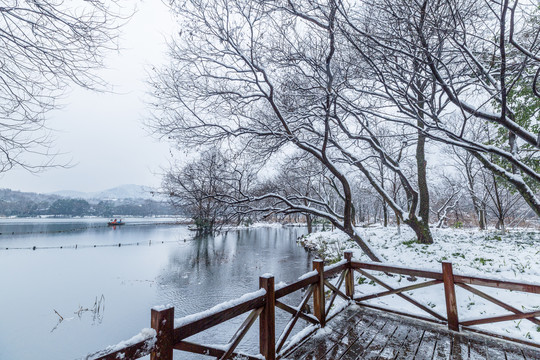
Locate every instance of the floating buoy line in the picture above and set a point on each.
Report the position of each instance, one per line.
(77, 246)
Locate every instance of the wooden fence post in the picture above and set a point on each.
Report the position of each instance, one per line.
(163, 322)
(349, 279)
(267, 319)
(450, 296)
(318, 293)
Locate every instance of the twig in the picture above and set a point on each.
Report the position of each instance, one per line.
(61, 317)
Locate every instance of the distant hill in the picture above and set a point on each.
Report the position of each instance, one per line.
(129, 191)
(17, 203)
(132, 200)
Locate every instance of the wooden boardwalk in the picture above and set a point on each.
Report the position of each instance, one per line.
(356, 333)
(361, 333)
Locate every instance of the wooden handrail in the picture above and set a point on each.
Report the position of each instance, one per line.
(500, 284)
(134, 351)
(295, 286)
(204, 323)
(397, 270)
(263, 307)
(450, 280)
(465, 279)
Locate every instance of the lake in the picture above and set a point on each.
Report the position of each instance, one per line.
(103, 281)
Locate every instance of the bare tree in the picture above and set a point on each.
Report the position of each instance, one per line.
(197, 187)
(474, 61)
(303, 176)
(263, 77)
(45, 46)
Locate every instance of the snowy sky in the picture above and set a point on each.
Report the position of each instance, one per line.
(102, 133)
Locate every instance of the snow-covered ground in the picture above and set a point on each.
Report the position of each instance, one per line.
(255, 225)
(513, 256)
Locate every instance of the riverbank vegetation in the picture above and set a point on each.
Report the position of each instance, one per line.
(22, 204)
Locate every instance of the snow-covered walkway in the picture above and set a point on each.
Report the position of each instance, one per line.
(361, 333)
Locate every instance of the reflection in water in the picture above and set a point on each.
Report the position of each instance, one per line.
(167, 268)
(223, 267)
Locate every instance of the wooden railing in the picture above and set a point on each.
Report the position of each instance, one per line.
(450, 281)
(169, 335)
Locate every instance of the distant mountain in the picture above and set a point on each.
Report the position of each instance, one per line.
(129, 191)
(17, 203)
(131, 200)
(13, 196)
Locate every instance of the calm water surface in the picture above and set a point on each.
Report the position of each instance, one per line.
(167, 266)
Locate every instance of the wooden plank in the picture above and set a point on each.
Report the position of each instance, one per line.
(241, 332)
(208, 350)
(500, 318)
(219, 317)
(442, 347)
(267, 320)
(359, 345)
(349, 318)
(398, 290)
(460, 347)
(477, 349)
(295, 286)
(292, 322)
(134, 351)
(513, 353)
(426, 349)
(335, 291)
(318, 293)
(349, 276)
(163, 322)
(408, 350)
(353, 330)
(499, 336)
(500, 284)
(307, 317)
(395, 342)
(531, 353)
(401, 313)
(496, 301)
(397, 270)
(450, 296)
(494, 351)
(314, 347)
(403, 296)
(379, 342)
(335, 270)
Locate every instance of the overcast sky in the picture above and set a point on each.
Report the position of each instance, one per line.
(102, 133)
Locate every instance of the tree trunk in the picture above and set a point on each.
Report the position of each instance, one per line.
(423, 233)
(423, 191)
(500, 225)
(482, 219)
(309, 222)
(385, 213)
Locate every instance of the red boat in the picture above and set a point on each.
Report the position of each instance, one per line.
(115, 223)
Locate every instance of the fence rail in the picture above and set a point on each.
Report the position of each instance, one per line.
(262, 305)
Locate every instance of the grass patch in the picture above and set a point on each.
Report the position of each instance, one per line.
(410, 242)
